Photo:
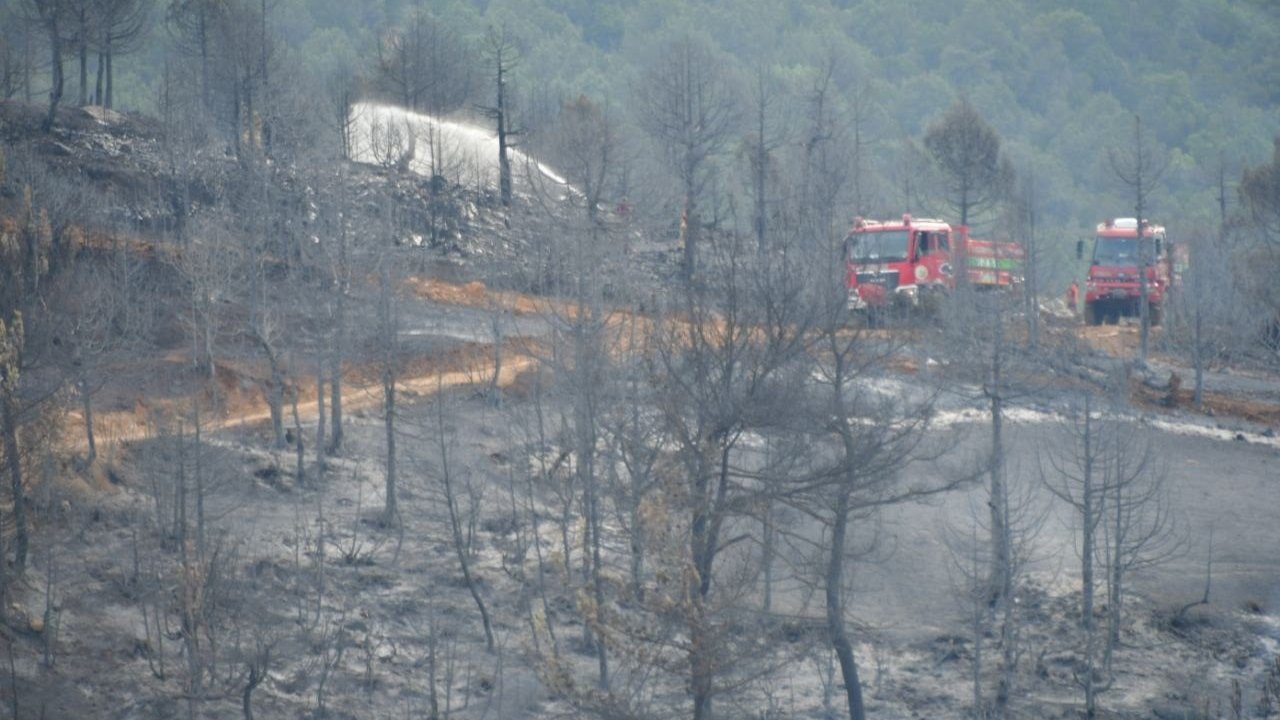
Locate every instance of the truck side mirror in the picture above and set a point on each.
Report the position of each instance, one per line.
(1079, 249)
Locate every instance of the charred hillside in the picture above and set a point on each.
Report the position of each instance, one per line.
(119, 174)
(534, 359)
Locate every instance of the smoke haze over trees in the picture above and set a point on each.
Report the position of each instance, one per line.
(495, 359)
(1058, 83)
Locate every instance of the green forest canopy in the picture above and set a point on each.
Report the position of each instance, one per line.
(1060, 81)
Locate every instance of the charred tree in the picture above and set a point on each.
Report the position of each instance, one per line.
(688, 107)
(53, 17)
(1139, 169)
(120, 29)
(425, 65)
(503, 56)
(12, 341)
(389, 351)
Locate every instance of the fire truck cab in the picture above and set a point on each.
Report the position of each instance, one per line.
(895, 261)
(1113, 287)
(906, 262)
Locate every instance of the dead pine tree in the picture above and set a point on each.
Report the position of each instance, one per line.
(635, 442)
(121, 27)
(1109, 474)
(1001, 577)
(1139, 169)
(333, 640)
(12, 342)
(687, 105)
(231, 45)
(1023, 215)
(299, 441)
(866, 442)
(873, 439)
(586, 144)
(971, 559)
(502, 53)
(15, 55)
(388, 338)
(1224, 314)
(267, 333)
(200, 472)
(449, 485)
(861, 441)
(320, 415)
(1210, 311)
(257, 666)
(864, 476)
(725, 361)
(987, 360)
(1077, 472)
(1260, 196)
(55, 19)
(51, 617)
(990, 369)
(535, 434)
(339, 283)
(969, 562)
(1139, 529)
(759, 146)
(209, 265)
(425, 65)
(92, 329)
(25, 327)
(192, 24)
(498, 328)
(79, 35)
(1260, 193)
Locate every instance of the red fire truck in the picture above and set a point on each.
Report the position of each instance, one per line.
(1111, 290)
(906, 262)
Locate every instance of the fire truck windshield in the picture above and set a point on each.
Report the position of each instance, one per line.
(1115, 251)
(882, 246)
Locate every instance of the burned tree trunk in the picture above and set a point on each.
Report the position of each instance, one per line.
(835, 610)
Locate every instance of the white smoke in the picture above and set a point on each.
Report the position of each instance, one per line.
(462, 153)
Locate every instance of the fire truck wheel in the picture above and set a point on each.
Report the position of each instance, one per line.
(873, 318)
(1091, 315)
(1154, 315)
